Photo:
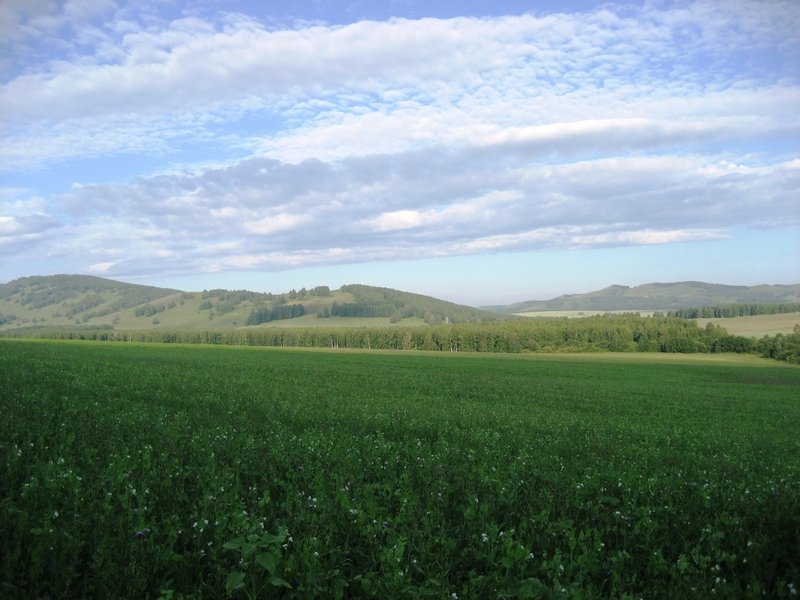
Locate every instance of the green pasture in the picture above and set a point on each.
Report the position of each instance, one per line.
(166, 471)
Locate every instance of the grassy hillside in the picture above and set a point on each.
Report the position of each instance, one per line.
(84, 301)
(62, 300)
(660, 297)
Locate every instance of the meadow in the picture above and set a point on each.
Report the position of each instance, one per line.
(756, 326)
(166, 471)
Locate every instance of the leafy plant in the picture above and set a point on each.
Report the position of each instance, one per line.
(259, 560)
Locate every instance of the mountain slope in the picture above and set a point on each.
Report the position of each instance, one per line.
(661, 296)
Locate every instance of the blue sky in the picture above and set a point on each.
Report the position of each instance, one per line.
(479, 152)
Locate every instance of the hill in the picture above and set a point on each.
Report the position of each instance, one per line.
(86, 301)
(658, 297)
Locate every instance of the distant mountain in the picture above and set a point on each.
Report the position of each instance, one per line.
(660, 296)
(86, 301)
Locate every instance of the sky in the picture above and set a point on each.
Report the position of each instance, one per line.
(482, 152)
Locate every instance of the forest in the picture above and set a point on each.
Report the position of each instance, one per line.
(722, 311)
(605, 333)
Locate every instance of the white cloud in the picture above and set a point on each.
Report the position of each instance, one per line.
(645, 237)
(400, 219)
(100, 268)
(194, 63)
(8, 225)
(381, 140)
(261, 213)
(279, 222)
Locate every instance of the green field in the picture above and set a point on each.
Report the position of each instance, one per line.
(147, 471)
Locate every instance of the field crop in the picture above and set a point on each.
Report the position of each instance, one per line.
(159, 471)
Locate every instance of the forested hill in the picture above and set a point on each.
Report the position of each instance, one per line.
(86, 301)
(401, 305)
(76, 294)
(661, 296)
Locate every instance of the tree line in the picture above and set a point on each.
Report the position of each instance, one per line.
(723, 311)
(618, 333)
(265, 315)
(362, 309)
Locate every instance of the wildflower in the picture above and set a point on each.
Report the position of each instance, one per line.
(484, 537)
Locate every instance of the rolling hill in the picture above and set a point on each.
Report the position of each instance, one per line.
(86, 301)
(70, 301)
(658, 297)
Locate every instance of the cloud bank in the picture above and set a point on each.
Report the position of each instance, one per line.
(310, 144)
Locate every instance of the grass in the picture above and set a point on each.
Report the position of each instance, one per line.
(147, 471)
(758, 325)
